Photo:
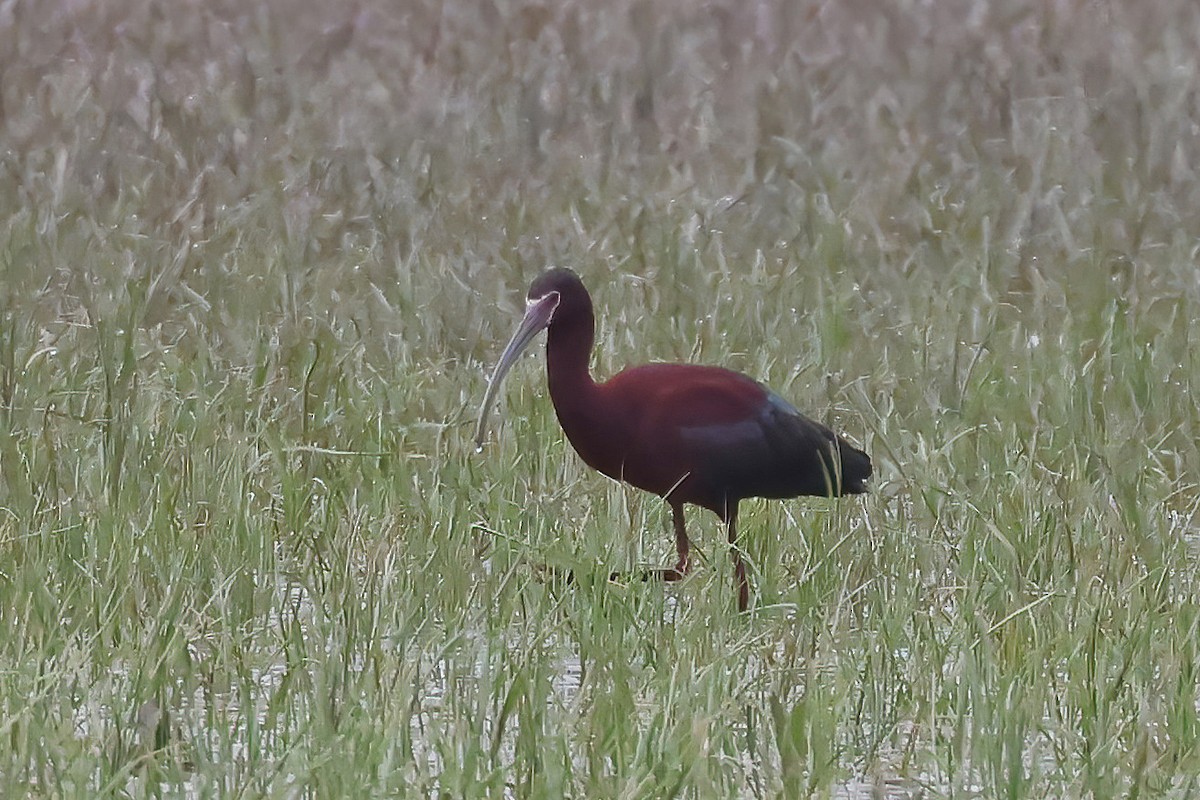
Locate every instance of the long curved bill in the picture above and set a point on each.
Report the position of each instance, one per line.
(538, 314)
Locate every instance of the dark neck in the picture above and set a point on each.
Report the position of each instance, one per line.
(568, 351)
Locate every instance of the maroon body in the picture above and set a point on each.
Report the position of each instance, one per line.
(691, 434)
(704, 435)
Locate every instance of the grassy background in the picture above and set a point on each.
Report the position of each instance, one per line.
(257, 259)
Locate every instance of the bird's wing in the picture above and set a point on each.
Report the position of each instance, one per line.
(768, 435)
(729, 432)
(763, 446)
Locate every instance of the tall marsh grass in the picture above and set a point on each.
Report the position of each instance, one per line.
(255, 260)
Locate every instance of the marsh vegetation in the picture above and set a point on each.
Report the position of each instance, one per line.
(256, 260)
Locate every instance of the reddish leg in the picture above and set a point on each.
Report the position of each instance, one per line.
(682, 546)
(739, 569)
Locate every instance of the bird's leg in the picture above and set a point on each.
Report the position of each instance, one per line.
(739, 569)
(682, 545)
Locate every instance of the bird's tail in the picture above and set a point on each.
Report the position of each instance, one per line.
(854, 468)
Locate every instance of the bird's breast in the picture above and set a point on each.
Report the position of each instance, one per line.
(617, 448)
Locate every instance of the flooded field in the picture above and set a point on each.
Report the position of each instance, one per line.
(258, 260)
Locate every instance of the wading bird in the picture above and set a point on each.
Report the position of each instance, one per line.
(690, 434)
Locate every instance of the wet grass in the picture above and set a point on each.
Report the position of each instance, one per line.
(257, 262)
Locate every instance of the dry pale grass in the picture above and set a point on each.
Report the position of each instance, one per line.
(256, 259)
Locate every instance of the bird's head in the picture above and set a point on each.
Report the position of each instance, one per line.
(572, 298)
(557, 293)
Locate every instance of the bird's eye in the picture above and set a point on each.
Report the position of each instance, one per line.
(549, 299)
